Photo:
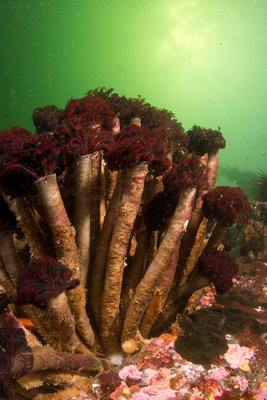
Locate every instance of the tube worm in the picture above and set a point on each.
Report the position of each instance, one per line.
(205, 143)
(11, 267)
(209, 141)
(93, 110)
(29, 226)
(160, 296)
(18, 359)
(184, 177)
(214, 266)
(84, 147)
(33, 314)
(39, 156)
(145, 243)
(65, 248)
(138, 151)
(110, 184)
(95, 199)
(200, 243)
(131, 197)
(220, 267)
(46, 358)
(193, 226)
(8, 323)
(226, 205)
(82, 212)
(102, 206)
(136, 268)
(8, 254)
(98, 270)
(143, 142)
(35, 380)
(189, 236)
(82, 141)
(16, 181)
(144, 290)
(43, 283)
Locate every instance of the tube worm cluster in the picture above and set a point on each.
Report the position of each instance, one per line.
(103, 227)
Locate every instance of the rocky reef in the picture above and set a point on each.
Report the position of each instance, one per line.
(109, 221)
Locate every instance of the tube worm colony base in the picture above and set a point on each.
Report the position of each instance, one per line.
(77, 199)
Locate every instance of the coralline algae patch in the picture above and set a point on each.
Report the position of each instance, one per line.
(160, 373)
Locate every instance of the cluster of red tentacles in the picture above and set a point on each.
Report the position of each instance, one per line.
(94, 107)
(42, 279)
(203, 140)
(81, 129)
(136, 144)
(185, 173)
(103, 106)
(227, 205)
(79, 136)
(220, 267)
(26, 157)
(47, 118)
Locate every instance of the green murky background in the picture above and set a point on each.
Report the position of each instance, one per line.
(205, 60)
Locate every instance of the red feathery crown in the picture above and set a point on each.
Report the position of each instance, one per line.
(187, 172)
(220, 267)
(203, 140)
(41, 280)
(227, 205)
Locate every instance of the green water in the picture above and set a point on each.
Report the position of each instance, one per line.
(205, 60)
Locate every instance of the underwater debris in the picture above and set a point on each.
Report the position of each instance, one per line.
(119, 154)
